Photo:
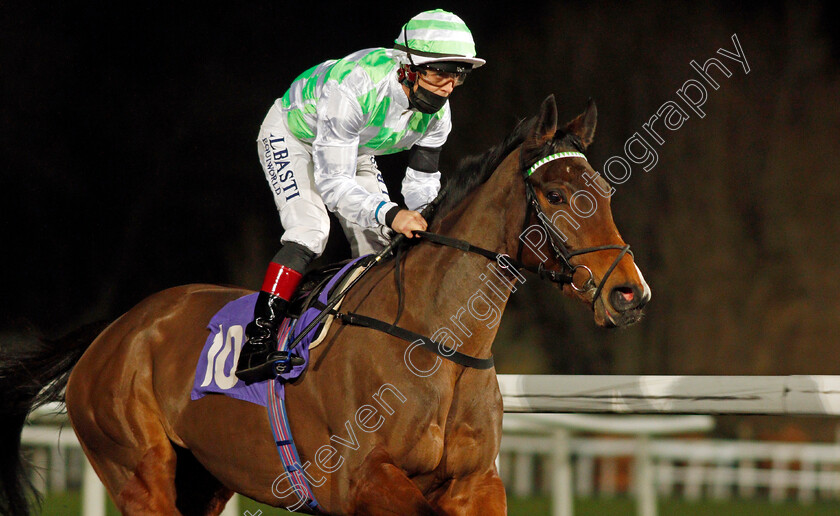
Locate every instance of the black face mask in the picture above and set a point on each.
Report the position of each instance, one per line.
(425, 101)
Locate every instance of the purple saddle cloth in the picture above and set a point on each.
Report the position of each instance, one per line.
(214, 373)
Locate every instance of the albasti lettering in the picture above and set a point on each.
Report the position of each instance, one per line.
(275, 161)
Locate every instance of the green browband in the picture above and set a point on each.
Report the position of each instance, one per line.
(546, 159)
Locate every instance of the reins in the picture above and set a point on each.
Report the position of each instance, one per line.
(561, 252)
(503, 259)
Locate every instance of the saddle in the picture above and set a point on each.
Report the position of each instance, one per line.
(311, 285)
(314, 283)
(216, 364)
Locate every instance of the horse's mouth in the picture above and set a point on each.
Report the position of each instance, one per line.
(620, 319)
(605, 315)
(630, 317)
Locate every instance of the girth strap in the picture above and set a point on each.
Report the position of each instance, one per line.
(409, 336)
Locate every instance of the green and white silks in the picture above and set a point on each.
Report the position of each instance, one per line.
(355, 106)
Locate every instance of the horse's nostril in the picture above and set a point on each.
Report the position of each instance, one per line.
(625, 297)
(626, 293)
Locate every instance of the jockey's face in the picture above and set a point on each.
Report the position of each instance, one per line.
(443, 90)
(439, 82)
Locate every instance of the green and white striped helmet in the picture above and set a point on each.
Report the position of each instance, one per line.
(436, 36)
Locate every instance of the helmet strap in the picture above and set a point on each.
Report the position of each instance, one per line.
(408, 49)
(408, 77)
(419, 98)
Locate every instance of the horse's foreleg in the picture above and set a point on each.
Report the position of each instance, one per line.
(481, 493)
(381, 488)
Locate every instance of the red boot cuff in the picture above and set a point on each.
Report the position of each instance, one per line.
(281, 281)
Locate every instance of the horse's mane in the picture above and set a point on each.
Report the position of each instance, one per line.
(475, 170)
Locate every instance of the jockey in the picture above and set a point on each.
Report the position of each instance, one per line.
(317, 146)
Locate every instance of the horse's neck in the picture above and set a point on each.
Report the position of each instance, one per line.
(466, 292)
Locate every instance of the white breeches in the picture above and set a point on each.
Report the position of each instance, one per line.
(287, 163)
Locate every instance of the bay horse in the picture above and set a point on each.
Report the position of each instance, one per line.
(426, 444)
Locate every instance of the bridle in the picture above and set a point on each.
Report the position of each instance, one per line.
(562, 253)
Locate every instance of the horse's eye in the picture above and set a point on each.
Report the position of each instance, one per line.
(555, 197)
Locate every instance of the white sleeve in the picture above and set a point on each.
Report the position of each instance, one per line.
(419, 188)
(334, 154)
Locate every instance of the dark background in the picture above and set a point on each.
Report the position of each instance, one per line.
(129, 163)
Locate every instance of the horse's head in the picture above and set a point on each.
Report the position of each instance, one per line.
(570, 228)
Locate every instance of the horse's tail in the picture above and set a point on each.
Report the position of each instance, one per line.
(30, 377)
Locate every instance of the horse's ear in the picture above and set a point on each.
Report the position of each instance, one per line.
(584, 125)
(547, 121)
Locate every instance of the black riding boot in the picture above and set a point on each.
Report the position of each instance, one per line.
(259, 359)
(256, 360)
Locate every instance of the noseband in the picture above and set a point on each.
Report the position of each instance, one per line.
(561, 252)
